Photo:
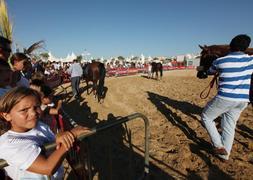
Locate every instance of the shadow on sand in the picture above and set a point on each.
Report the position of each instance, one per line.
(245, 131)
(198, 144)
(146, 77)
(67, 96)
(112, 153)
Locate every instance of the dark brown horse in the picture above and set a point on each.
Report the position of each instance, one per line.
(157, 67)
(95, 72)
(210, 53)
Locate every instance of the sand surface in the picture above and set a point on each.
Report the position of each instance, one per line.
(179, 145)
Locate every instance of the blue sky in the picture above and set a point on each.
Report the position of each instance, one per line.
(129, 27)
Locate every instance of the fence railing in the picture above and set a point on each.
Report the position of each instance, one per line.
(51, 146)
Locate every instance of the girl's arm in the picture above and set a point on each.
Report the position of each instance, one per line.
(64, 141)
(48, 165)
(59, 105)
(55, 111)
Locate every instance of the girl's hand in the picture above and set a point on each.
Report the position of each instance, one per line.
(77, 131)
(59, 104)
(66, 139)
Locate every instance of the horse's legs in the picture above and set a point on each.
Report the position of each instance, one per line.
(156, 75)
(87, 82)
(94, 88)
(161, 74)
(78, 86)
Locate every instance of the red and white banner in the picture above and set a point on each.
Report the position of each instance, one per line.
(132, 71)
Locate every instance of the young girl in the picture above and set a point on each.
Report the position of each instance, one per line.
(21, 145)
(50, 106)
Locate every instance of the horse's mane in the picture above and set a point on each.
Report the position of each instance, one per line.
(249, 51)
(220, 50)
(219, 46)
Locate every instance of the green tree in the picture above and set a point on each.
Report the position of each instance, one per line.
(79, 58)
(135, 58)
(44, 55)
(121, 58)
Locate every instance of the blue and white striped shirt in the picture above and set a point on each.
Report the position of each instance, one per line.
(235, 71)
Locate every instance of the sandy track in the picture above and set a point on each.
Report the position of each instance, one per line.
(179, 146)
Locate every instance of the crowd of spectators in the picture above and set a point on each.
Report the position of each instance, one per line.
(27, 107)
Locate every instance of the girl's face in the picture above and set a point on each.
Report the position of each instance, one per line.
(23, 116)
(19, 65)
(47, 100)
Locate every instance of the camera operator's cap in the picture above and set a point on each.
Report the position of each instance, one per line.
(5, 43)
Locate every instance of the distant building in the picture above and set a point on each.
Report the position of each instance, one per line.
(180, 58)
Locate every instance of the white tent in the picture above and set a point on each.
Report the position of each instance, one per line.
(69, 58)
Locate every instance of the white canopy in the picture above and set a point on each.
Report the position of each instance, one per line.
(69, 58)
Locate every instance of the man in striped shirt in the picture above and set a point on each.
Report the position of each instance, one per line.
(234, 71)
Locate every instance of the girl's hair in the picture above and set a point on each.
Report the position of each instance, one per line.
(27, 66)
(46, 90)
(18, 57)
(10, 99)
(39, 76)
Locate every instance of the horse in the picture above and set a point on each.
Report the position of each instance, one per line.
(210, 53)
(155, 68)
(95, 72)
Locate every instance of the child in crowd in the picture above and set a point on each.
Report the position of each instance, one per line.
(21, 145)
(36, 84)
(50, 106)
(38, 76)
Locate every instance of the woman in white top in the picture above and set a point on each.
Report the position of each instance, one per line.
(17, 61)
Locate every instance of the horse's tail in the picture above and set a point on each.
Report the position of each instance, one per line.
(85, 71)
(102, 74)
(153, 67)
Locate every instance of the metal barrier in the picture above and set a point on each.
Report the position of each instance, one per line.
(95, 130)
